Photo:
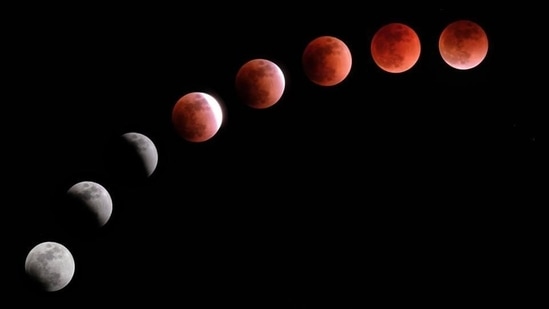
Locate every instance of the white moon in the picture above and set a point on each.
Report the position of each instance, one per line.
(50, 265)
(146, 150)
(94, 198)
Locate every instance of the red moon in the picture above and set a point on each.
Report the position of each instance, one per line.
(260, 83)
(197, 116)
(463, 44)
(327, 61)
(395, 47)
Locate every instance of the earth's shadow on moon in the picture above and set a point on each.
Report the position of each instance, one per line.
(124, 165)
(77, 218)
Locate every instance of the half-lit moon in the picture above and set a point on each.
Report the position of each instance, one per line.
(260, 83)
(463, 44)
(395, 47)
(327, 61)
(197, 116)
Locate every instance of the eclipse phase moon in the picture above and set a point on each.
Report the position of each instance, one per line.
(94, 203)
(327, 60)
(145, 150)
(463, 44)
(395, 47)
(197, 117)
(50, 265)
(260, 83)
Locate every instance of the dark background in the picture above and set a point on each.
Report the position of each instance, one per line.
(418, 187)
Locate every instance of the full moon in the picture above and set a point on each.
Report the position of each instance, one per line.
(327, 61)
(395, 47)
(50, 265)
(260, 83)
(197, 116)
(93, 203)
(463, 44)
(145, 151)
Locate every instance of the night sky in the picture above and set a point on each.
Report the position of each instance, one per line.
(409, 188)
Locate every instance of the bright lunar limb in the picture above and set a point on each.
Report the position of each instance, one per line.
(50, 265)
(197, 116)
(94, 201)
(463, 44)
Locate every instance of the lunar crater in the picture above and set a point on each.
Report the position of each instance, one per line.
(140, 143)
(90, 192)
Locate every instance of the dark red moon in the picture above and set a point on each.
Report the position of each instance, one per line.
(327, 60)
(260, 83)
(395, 47)
(197, 116)
(463, 44)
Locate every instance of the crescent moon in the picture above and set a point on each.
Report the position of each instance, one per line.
(145, 149)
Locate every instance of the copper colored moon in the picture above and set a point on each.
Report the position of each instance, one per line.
(197, 116)
(327, 61)
(395, 47)
(260, 83)
(463, 44)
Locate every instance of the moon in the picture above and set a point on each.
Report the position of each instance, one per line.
(132, 158)
(50, 265)
(260, 83)
(395, 47)
(327, 60)
(197, 117)
(145, 149)
(92, 202)
(463, 44)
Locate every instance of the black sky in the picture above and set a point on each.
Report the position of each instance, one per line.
(401, 188)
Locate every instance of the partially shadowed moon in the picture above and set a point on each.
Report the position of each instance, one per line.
(90, 204)
(327, 61)
(145, 151)
(197, 116)
(131, 158)
(395, 47)
(463, 44)
(50, 265)
(260, 83)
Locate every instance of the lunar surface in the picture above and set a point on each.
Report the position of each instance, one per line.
(92, 204)
(50, 265)
(327, 61)
(197, 117)
(260, 83)
(463, 44)
(395, 48)
(145, 150)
